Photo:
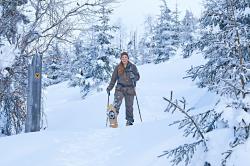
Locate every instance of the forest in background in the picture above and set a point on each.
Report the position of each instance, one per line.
(80, 45)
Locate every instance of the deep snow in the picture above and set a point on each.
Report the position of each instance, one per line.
(76, 134)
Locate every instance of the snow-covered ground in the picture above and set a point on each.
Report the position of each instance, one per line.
(77, 136)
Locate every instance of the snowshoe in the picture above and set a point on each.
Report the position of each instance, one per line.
(112, 116)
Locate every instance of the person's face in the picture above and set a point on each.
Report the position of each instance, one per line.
(124, 59)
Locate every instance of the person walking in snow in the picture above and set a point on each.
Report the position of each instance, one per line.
(126, 75)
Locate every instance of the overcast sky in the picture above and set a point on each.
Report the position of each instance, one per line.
(133, 12)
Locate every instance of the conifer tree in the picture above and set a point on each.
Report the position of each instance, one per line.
(225, 44)
(56, 65)
(132, 48)
(145, 45)
(163, 40)
(96, 58)
(189, 25)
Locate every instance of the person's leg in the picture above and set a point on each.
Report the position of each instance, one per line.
(129, 101)
(118, 100)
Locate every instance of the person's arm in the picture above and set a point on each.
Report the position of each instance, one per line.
(137, 75)
(113, 79)
(134, 75)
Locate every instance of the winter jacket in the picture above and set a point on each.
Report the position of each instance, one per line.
(126, 80)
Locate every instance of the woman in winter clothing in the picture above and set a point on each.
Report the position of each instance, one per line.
(126, 75)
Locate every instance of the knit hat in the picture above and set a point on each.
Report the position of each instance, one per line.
(124, 53)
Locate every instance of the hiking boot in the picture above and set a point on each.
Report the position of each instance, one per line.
(129, 123)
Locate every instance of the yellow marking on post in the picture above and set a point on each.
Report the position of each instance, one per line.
(37, 75)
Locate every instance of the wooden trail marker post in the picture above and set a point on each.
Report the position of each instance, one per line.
(34, 95)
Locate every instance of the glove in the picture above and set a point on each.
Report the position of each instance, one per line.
(108, 91)
(132, 76)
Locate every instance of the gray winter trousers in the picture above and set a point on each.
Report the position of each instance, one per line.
(128, 94)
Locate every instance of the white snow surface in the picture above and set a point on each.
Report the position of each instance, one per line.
(76, 134)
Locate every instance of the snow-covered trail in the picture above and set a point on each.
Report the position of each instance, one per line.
(77, 135)
(67, 111)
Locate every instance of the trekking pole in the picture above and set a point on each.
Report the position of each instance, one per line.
(107, 108)
(138, 106)
(137, 101)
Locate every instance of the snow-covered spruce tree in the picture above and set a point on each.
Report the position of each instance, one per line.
(120, 36)
(96, 58)
(132, 48)
(10, 17)
(12, 77)
(176, 27)
(225, 44)
(144, 45)
(163, 39)
(189, 25)
(78, 63)
(82, 66)
(12, 105)
(193, 125)
(56, 65)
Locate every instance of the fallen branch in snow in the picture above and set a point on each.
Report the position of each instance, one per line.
(241, 135)
(197, 125)
(184, 152)
(175, 106)
(227, 154)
